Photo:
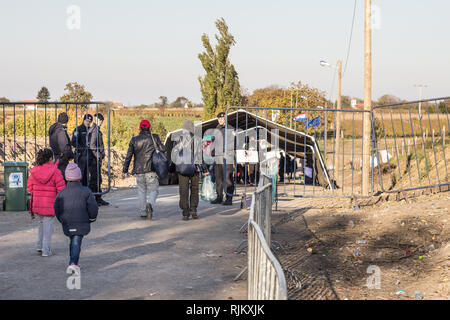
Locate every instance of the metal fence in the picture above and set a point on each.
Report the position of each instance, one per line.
(266, 280)
(25, 125)
(412, 145)
(319, 154)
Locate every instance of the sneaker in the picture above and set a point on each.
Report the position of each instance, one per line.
(73, 269)
(47, 254)
(217, 201)
(149, 211)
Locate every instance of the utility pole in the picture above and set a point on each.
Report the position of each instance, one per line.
(420, 86)
(367, 145)
(338, 121)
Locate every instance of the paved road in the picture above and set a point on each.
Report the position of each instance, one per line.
(126, 257)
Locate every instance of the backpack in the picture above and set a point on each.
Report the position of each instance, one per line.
(186, 169)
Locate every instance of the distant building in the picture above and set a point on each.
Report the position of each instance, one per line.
(30, 104)
(356, 105)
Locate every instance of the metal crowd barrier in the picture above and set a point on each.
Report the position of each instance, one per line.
(25, 127)
(412, 145)
(318, 157)
(266, 280)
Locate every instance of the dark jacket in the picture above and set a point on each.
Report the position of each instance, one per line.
(141, 146)
(76, 207)
(96, 142)
(79, 139)
(60, 142)
(187, 141)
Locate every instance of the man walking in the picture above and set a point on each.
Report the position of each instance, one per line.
(96, 155)
(81, 144)
(224, 156)
(60, 142)
(187, 156)
(142, 147)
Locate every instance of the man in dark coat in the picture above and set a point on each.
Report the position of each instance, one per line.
(187, 156)
(60, 142)
(76, 208)
(219, 159)
(80, 142)
(142, 147)
(96, 155)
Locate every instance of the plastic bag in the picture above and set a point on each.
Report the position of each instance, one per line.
(208, 193)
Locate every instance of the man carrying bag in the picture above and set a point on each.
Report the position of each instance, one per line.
(185, 153)
(144, 148)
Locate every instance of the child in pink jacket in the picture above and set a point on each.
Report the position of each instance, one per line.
(44, 183)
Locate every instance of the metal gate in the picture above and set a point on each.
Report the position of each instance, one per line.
(412, 145)
(307, 152)
(318, 152)
(25, 125)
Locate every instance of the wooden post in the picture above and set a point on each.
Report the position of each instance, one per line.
(367, 97)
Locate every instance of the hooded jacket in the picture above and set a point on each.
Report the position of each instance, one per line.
(44, 183)
(76, 208)
(60, 142)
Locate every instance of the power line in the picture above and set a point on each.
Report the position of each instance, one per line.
(351, 36)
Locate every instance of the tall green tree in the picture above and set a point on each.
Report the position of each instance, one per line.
(76, 93)
(220, 86)
(43, 95)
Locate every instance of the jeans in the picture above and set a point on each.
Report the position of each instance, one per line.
(75, 249)
(45, 233)
(148, 186)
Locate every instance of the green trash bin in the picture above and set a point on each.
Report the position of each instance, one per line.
(16, 192)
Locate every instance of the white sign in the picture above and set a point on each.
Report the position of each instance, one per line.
(247, 156)
(16, 180)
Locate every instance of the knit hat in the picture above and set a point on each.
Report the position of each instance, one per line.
(144, 124)
(63, 118)
(73, 172)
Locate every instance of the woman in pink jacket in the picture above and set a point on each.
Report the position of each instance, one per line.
(44, 183)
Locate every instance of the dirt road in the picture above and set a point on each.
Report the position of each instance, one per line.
(125, 257)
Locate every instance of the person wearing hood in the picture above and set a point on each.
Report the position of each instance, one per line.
(188, 161)
(44, 183)
(60, 142)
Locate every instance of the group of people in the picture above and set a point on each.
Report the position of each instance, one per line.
(87, 140)
(64, 190)
(54, 195)
(142, 148)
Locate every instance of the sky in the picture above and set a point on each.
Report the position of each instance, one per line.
(135, 51)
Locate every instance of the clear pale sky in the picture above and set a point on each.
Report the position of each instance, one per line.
(135, 51)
